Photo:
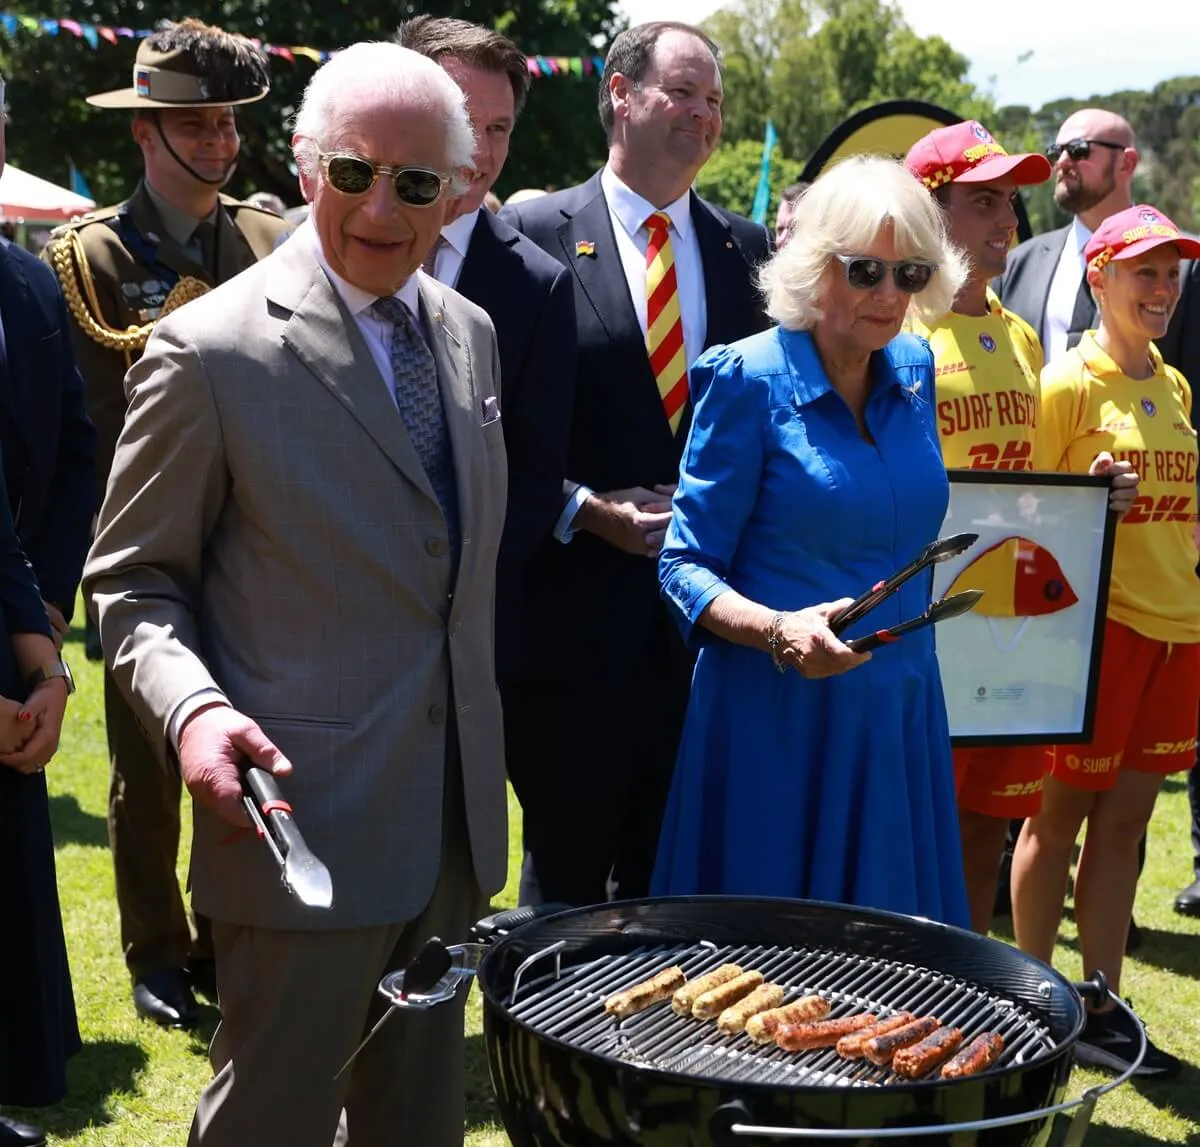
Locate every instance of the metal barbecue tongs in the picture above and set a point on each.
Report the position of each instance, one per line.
(942, 610)
(303, 875)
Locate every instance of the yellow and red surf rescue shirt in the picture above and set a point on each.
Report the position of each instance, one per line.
(987, 391)
(1089, 405)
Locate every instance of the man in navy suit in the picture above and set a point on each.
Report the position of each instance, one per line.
(529, 299)
(600, 724)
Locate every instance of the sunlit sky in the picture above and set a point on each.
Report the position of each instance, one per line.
(1079, 49)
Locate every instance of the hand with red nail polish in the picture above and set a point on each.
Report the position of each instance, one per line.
(15, 729)
(39, 722)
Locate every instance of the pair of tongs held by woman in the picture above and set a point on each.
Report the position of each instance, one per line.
(937, 551)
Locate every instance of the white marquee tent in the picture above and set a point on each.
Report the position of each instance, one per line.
(25, 198)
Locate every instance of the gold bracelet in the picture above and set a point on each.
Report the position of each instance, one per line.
(774, 641)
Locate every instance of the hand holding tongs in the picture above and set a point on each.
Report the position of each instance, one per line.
(303, 875)
(939, 550)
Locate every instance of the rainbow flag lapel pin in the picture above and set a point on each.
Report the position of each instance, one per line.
(585, 247)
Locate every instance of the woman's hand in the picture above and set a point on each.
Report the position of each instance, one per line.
(808, 645)
(14, 730)
(43, 714)
(1124, 481)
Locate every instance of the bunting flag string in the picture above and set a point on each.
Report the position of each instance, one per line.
(12, 23)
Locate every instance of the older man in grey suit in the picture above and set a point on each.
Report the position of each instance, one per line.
(295, 566)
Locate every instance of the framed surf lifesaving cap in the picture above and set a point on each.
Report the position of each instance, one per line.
(192, 65)
(967, 153)
(1133, 232)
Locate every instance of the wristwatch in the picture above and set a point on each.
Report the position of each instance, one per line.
(51, 670)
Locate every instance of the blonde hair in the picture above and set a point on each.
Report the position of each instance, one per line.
(842, 213)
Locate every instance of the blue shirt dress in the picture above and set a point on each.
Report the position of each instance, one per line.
(839, 789)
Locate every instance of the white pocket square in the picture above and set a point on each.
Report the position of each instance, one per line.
(491, 410)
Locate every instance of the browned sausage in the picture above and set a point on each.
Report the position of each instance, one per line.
(851, 1046)
(641, 996)
(881, 1049)
(685, 997)
(916, 1061)
(977, 1056)
(823, 1033)
(733, 1019)
(714, 1002)
(762, 1027)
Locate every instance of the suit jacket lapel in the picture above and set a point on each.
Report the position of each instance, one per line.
(723, 262)
(1052, 249)
(325, 338)
(146, 219)
(234, 253)
(14, 363)
(485, 248)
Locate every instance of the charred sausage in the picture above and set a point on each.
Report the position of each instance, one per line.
(977, 1056)
(921, 1058)
(823, 1033)
(881, 1048)
(714, 1002)
(851, 1046)
(641, 996)
(685, 997)
(762, 1027)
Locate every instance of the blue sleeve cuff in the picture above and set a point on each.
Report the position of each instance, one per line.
(688, 589)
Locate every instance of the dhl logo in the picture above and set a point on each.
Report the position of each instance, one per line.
(1167, 508)
(1171, 748)
(1020, 790)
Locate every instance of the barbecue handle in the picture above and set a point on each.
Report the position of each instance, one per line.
(265, 789)
(731, 1122)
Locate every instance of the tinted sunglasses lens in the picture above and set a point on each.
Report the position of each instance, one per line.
(350, 175)
(1079, 149)
(865, 274)
(913, 277)
(418, 188)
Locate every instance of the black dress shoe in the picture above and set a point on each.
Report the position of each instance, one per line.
(165, 997)
(14, 1134)
(1187, 903)
(203, 976)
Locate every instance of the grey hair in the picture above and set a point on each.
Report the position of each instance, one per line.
(371, 70)
(842, 213)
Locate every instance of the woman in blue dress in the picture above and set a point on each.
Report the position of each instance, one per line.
(812, 470)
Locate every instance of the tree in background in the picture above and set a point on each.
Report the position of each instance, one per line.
(559, 140)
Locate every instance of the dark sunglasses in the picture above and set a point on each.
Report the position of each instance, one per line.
(865, 273)
(353, 175)
(1078, 149)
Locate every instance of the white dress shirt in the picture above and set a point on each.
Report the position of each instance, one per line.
(1064, 287)
(377, 333)
(453, 252)
(628, 212)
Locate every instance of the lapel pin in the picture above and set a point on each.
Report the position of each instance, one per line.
(585, 247)
(729, 244)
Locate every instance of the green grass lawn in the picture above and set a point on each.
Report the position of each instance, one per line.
(134, 1085)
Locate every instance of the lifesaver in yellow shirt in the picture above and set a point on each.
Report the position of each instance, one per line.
(1019, 577)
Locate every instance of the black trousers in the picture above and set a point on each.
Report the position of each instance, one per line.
(591, 764)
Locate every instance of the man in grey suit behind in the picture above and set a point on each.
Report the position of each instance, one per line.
(321, 602)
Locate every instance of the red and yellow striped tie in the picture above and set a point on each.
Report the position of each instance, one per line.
(664, 324)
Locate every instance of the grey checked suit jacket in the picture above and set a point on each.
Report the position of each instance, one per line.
(269, 532)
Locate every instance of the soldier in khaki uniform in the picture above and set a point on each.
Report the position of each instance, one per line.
(121, 268)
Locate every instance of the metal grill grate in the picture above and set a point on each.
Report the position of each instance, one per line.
(568, 1005)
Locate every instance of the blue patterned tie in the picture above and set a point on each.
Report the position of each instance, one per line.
(414, 376)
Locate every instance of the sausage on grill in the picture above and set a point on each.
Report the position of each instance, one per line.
(881, 1049)
(920, 1059)
(977, 1056)
(641, 996)
(685, 997)
(823, 1033)
(762, 1027)
(733, 1020)
(851, 1046)
(714, 1002)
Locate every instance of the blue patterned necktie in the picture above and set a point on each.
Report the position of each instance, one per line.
(414, 376)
